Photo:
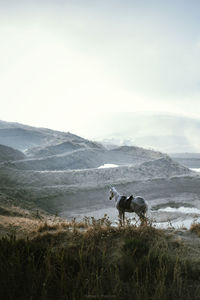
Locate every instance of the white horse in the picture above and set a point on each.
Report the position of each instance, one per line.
(129, 204)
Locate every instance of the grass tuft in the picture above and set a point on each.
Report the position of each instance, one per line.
(47, 227)
(195, 227)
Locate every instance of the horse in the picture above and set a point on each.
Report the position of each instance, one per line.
(129, 204)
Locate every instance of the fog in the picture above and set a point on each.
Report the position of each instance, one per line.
(168, 133)
(63, 62)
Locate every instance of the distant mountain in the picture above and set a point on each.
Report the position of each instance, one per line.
(162, 132)
(169, 144)
(53, 150)
(23, 137)
(186, 155)
(190, 160)
(63, 148)
(10, 154)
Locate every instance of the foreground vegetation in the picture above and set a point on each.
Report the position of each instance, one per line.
(94, 260)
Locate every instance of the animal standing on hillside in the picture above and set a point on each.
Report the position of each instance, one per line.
(129, 204)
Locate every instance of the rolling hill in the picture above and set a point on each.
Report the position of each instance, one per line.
(10, 154)
(24, 138)
(59, 171)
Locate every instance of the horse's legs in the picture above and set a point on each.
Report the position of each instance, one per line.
(123, 216)
(143, 218)
(120, 217)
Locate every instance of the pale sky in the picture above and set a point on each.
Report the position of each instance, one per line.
(63, 61)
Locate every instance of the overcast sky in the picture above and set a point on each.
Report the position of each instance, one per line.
(62, 61)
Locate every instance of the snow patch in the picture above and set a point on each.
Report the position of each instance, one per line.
(108, 166)
(177, 224)
(195, 169)
(182, 209)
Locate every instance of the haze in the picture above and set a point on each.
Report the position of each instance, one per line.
(63, 62)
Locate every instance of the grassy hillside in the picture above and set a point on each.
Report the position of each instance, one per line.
(94, 260)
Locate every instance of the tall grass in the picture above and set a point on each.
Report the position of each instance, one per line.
(102, 262)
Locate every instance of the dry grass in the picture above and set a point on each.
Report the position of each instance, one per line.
(20, 226)
(92, 259)
(22, 222)
(195, 227)
(47, 226)
(85, 224)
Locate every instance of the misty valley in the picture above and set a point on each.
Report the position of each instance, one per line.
(66, 175)
(60, 232)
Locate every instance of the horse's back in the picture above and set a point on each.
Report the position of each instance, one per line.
(139, 205)
(131, 203)
(139, 201)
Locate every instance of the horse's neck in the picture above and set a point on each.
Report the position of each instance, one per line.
(117, 196)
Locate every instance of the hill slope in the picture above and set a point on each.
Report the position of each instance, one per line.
(49, 178)
(23, 137)
(190, 160)
(9, 154)
(62, 191)
(53, 150)
(86, 158)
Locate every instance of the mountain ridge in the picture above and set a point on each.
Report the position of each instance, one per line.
(46, 149)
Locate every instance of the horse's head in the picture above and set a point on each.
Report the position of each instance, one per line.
(111, 193)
